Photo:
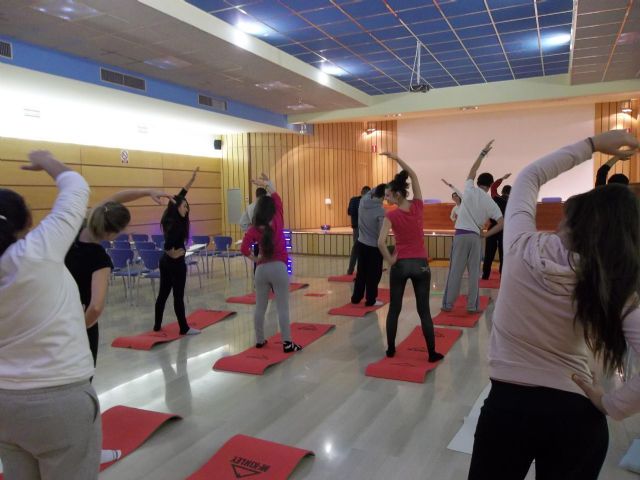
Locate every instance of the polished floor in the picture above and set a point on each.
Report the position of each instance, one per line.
(359, 427)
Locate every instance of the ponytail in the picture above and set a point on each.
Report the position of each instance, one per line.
(14, 217)
(399, 184)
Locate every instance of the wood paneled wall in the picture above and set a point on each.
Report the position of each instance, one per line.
(106, 174)
(335, 162)
(608, 116)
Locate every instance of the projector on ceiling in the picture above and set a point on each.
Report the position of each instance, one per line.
(419, 87)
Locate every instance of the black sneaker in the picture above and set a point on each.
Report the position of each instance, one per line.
(261, 344)
(391, 352)
(289, 347)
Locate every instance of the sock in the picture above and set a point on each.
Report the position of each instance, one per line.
(107, 456)
(435, 357)
(261, 344)
(391, 352)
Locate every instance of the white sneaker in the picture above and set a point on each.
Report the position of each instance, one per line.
(193, 331)
(378, 303)
(108, 456)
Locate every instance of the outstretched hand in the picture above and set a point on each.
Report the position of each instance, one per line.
(264, 177)
(390, 155)
(592, 390)
(616, 142)
(506, 176)
(193, 176)
(487, 148)
(38, 159)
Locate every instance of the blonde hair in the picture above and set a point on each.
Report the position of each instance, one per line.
(109, 217)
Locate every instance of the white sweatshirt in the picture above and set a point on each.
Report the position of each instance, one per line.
(43, 338)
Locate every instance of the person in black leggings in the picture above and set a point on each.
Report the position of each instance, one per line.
(173, 269)
(409, 260)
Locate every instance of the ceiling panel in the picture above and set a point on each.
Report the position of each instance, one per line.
(453, 34)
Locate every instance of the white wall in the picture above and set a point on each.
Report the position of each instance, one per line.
(70, 111)
(445, 147)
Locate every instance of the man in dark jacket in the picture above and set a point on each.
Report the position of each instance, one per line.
(352, 211)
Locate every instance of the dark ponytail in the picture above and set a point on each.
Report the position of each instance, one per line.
(399, 184)
(262, 216)
(604, 230)
(14, 217)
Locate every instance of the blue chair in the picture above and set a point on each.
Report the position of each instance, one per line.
(205, 253)
(431, 201)
(151, 261)
(119, 245)
(551, 200)
(222, 251)
(123, 237)
(145, 246)
(158, 240)
(139, 237)
(122, 260)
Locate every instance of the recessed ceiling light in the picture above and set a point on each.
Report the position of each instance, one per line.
(331, 69)
(168, 63)
(67, 9)
(253, 28)
(470, 107)
(301, 106)
(275, 85)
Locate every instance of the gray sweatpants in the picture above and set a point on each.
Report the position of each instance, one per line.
(465, 253)
(272, 274)
(50, 433)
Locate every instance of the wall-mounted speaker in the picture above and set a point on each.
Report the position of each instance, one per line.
(217, 144)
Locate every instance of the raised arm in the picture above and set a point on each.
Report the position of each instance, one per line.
(603, 171)
(415, 184)
(126, 196)
(521, 210)
(497, 183)
(265, 183)
(476, 165)
(452, 187)
(191, 180)
(53, 237)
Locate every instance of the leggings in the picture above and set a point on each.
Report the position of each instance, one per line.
(562, 431)
(418, 271)
(173, 276)
(272, 275)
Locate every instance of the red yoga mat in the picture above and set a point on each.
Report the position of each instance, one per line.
(250, 298)
(126, 428)
(144, 341)
(244, 457)
(360, 310)
(410, 362)
(257, 360)
(459, 317)
(342, 278)
(493, 282)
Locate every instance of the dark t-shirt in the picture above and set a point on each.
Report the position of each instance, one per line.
(175, 232)
(82, 260)
(352, 210)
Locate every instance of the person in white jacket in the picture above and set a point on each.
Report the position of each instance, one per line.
(49, 412)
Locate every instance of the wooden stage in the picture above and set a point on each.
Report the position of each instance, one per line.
(438, 232)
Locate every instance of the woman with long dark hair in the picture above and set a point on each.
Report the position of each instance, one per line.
(50, 422)
(173, 269)
(409, 260)
(271, 271)
(564, 296)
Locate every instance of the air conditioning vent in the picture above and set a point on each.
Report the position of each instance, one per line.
(5, 49)
(121, 79)
(212, 103)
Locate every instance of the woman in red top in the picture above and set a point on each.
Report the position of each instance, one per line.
(409, 260)
(271, 271)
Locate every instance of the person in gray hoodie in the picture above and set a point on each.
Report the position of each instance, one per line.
(370, 218)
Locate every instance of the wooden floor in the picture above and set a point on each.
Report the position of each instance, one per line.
(358, 427)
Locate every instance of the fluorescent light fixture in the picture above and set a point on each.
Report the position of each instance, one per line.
(556, 40)
(66, 9)
(331, 69)
(168, 63)
(471, 107)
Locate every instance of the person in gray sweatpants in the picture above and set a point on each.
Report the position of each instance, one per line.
(476, 209)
